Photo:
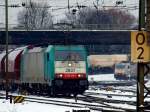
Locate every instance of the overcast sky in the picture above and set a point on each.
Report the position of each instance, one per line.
(60, 7)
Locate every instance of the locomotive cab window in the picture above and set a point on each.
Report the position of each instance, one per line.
(70, 55)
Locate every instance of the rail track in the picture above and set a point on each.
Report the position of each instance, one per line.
(114, 88)
(95, 97)
(102, 103)
(99, 106)
(112, 94)
(107, 102)
(109, 99)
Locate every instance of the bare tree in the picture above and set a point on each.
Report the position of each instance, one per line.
(122, 19)
(35, 16)
(103, 19)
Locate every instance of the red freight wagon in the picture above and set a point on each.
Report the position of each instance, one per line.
(2, 57)
(14, 58)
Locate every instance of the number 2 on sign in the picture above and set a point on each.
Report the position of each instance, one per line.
(140, 40)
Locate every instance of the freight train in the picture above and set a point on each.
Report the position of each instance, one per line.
(52, 69)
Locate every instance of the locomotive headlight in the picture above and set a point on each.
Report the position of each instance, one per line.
(69, 64)
(81, 76)
(59, 75)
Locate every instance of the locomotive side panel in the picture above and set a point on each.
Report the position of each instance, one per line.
(49, 64)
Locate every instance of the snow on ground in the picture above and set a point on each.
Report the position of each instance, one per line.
(102, 77)
(122, 98)
(148, 84)
(114, 92)
(116, 95)
(122, 105)
(39, 107)
(5, 106)
(31, 107)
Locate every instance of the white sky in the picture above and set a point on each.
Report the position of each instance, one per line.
(130, 5)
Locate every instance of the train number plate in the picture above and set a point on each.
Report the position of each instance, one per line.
(70, 70)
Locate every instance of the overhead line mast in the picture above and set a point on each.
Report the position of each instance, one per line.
(148, 16)
(6, 64)
(143, 69)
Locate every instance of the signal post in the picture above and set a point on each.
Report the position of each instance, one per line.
(140, 53)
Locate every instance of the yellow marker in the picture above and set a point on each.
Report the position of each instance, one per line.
(140, 47)
(18, 99)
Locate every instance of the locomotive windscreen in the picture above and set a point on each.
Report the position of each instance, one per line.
(70, 55)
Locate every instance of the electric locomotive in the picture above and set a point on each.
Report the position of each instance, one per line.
(70, 71)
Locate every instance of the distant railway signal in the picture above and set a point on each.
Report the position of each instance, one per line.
(119, 2)
(23, 4)
(74, 11)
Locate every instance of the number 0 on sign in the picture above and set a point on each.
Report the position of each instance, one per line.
(140, 50)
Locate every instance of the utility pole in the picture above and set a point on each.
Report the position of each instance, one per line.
(148, 16)
(141, 14)
(68, 6)
(6, 64)
(140, 66)
(141, 106)
(140, 54)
